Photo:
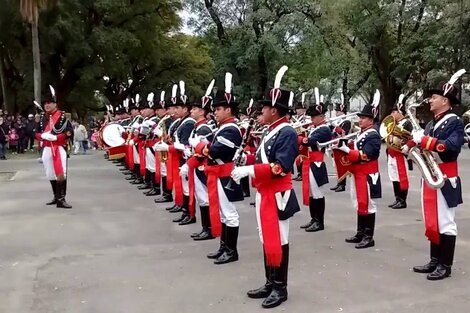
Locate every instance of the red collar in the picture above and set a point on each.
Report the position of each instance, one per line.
(437, 117)
(365, 129)
(52, 113)
(203, 121)
(228, 120)
(277, 123)
(321, 123)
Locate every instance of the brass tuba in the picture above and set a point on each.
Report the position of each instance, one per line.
(424, 159)
(394, 135)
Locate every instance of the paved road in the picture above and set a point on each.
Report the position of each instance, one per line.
(116, 251)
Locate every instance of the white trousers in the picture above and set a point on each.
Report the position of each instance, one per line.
(372, 205)
(49, 163)
(149, 160)
(393, 168)
(136, 155)
(228, 211)
(185, 184)
(283, 225)
(200, 191)
(445, 215)
(163, 169)
(315, 191)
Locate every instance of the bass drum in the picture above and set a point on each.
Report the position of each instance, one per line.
(112, 135)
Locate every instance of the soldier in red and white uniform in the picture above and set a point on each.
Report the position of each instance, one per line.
(276, 201)
(443, 137)
(223, 192)
(53, 132)
(397, 163)
(342, 129)
(363, 153)
(194, 167)
(314, 172)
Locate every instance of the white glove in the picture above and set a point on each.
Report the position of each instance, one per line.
(418, 136)
(184, 170)
(187, 153)
(158, 132)
(343, 147)
(179, 146)
(161, 146)
(193, 142)
(144, 129)
(49, 137)
(405, 149)
(242, 171)
(131, 142)
(44, 135)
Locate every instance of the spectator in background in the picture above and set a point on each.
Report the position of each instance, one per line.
(20, 127)
(80, 139)
(94, 138)
(30, 131)
(13, 139)
(3, 138)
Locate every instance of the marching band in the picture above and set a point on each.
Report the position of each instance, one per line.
(174, 151)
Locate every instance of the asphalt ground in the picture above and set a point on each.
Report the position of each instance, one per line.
(116, 251)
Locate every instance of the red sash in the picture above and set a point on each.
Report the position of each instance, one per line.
(192, 163)
(268, 187)
(401, 167)
(141, 150)
(360, 172)
(158, 170)
(56, 160)
(213, 172)
(314, 156)
(173, 169)
(431, 218)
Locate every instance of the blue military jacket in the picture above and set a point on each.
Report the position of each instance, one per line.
(448, 129)
(320, 134)
(226, 141)
(279, 146)
(368, 143)
(201, 128)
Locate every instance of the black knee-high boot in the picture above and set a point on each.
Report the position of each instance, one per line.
(311, 207)
(446, 258)
(360, 231)
(222, 246)
(319, 209)
(188, 219)
(279, 282)
(166, 195)
(54, 192)
(206, 225)
(62, 191)
(432, 264)
(265, 290)
(230, 254)
(396, 193)
(369, 227)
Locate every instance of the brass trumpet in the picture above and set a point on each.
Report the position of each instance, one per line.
(327, 144)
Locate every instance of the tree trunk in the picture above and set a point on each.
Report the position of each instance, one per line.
(36, 60)
(4, 89)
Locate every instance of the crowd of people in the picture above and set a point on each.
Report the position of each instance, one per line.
(18, 135)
